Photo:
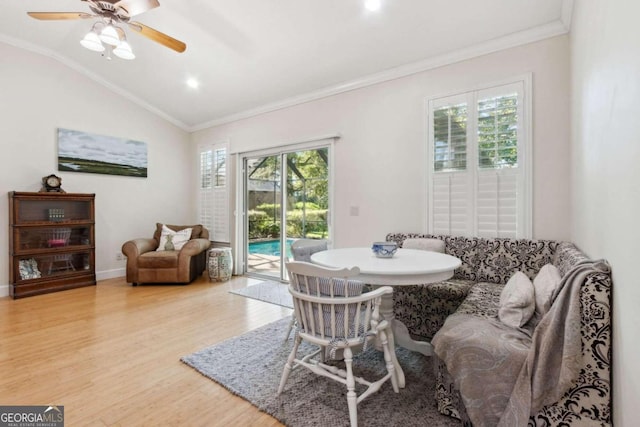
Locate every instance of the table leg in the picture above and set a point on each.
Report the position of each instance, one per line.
(403, 339)
(401, 335)
(386, 310)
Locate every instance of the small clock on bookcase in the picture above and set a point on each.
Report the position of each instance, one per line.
(51, 184)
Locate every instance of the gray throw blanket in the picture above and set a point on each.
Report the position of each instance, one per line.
(503, 375)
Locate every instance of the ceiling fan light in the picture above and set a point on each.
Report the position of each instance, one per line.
(109, 35)
(124, 51)
(92, 42)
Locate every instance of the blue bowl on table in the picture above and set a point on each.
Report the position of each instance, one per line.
(384, 249)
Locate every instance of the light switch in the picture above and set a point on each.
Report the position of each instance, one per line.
(354, 210)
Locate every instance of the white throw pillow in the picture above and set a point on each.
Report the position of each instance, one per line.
(177, 238)
(545, 284)
(433, 245)
(517, 301)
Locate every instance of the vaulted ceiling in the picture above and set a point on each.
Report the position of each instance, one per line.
(250, 56)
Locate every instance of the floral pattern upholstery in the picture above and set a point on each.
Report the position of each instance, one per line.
(464, 248)
(500, 258)
(448, 400)
(424, 308)
(589, 400)
(468, 250)
(483, 300)
(567, 256)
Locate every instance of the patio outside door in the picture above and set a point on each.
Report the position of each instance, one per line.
(286, 198)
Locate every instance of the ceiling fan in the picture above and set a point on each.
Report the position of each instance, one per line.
(111, 12)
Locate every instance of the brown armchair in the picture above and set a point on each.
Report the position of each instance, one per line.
(146, 265)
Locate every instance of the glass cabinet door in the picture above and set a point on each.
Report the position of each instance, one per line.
(30, 267)
(32, 211)
(28, 239)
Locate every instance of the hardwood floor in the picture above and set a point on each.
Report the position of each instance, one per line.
(110, 354)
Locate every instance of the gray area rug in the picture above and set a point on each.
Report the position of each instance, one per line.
(269, 291)
(250, 366)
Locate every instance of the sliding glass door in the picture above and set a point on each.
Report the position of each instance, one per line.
(286, 198)
(262, 212)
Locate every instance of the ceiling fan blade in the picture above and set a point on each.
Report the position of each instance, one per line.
(158, 37)
(55, 16)
(136, 7)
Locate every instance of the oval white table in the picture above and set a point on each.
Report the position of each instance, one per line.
(406, 267)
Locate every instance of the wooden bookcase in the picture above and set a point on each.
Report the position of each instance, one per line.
(51, 242)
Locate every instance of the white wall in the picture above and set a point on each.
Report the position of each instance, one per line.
(605, 47)
(380, 159)
(38, 95)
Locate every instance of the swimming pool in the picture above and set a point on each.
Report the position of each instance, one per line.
(269, 247)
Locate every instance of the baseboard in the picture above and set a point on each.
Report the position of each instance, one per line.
(110, 274)
(100, 275)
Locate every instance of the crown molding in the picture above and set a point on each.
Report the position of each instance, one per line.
(535, 34)
(566, 14)
(96, 78)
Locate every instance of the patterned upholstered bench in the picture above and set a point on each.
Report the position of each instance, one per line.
(424, 308)
(474, 290)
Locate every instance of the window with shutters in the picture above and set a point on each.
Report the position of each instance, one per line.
(479, 163)
(220, 162)
(213, 200)
(205, 215)
(450, 138)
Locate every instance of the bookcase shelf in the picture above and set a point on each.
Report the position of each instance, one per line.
(51, 242)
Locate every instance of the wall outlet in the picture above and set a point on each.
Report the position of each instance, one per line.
(120, 256)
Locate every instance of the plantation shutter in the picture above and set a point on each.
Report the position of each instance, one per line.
(205, 190)
(220, 228)
(451, 204)
(499, 177)
(213, 200)
(450, 195)
(478, 182)
(450, 138)
(497, 203)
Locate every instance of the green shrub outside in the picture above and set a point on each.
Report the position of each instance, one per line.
(309, 206)
(316, 222)
(263, 225)
(271, 209)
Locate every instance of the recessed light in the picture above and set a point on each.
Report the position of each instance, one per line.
(193, 83)
(373, 5)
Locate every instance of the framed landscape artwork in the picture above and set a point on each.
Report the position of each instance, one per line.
(89, 153)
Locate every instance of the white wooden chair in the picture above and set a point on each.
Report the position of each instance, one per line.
(301, 250)
(334, 314)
